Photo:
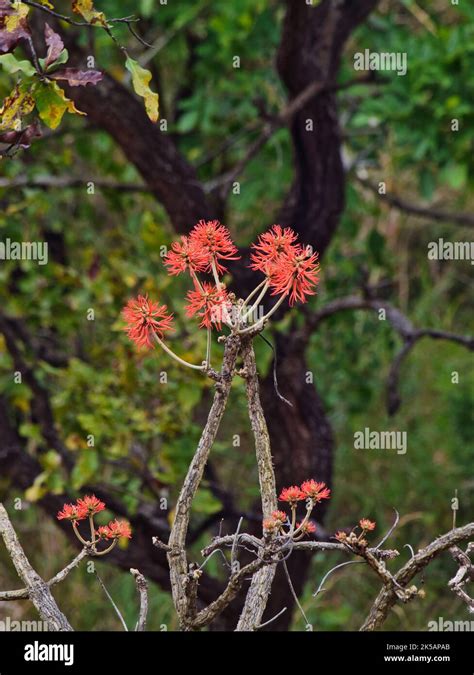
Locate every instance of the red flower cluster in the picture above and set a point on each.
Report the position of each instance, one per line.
(115, 529)
(291, 271)
(83, 508)
(186, 255)
(367, 525)
(88, 507)
(71, 512)
(315, 491)
(214, 241)
(307, 527)
(270, 246)
(144, 318)
(207, 244)
(354, 539)
(210, 303)
(292, 495)
(291, 268)
(295, 274)
(310, 491)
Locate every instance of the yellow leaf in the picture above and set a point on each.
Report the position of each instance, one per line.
(140, 80)
(13, 21)
(86, 9)
(52, 103)
(37, 490)
(18, 104)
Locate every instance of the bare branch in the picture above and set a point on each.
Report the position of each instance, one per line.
(464, 575)
(262, 625)
(438, 215)
(270, 127)
(64, 182)
(23, 593)
(387, 596)
(236, 580)
(257, 596)
(63, 17)
(38, 590)
(142, 588)
(409, 334)
(177, 555)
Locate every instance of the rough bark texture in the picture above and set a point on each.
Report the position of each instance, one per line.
(177, 542)
(261, 584)
(387, 596)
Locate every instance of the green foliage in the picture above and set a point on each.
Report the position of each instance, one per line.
(106, 246)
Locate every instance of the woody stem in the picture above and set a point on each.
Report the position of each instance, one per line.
(293, 517)
(304, 521)
(261, 321)
(108, 549)
(208, 349)
(257, 301)
(215, 274)
(175, 356)
(255, 290)
(78, 535)
(196, 279)
(91, 525)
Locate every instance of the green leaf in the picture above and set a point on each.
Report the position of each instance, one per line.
(140, 80)
(188, 121)
(52, 103)
(12, 65)
(455, 175)
(62, 58)
(147, 7)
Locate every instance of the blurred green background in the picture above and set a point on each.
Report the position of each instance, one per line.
(112, 243)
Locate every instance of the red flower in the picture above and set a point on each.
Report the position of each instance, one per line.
(214, 240)
(295, 274)
(72, 512)
(291, 495)
(145, 317)
(103, 532)
(184, 255)
(210, 303)
(280, 517)
(270, 245)
(315, 491)
(90, 504)
(341, 536)
(270, 525)
(366, 524)
(116, 529)
(308, 528)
